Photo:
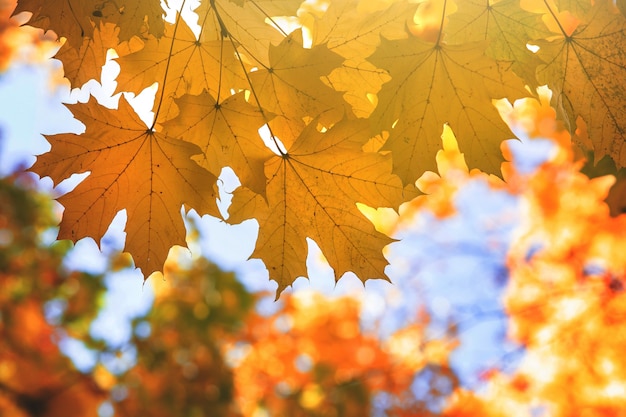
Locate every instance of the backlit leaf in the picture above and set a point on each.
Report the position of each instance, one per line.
(291, 87)
(312, 192)
(131, 168)
(225, 142)
(432, 84)
(585, 71)
(79, 64)
(506, 26)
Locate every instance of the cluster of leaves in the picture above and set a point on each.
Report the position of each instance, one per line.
(354, 100)
(180, 344)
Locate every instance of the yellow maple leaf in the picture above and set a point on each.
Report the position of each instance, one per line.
(291, 86)
(225, 140)
(578, 7)
(147, 173)
(249, 24)
(181, 64)
(312, 192)
(133, 17)
(75, 19)
(353, 30)
(506, 26)
(586, 70)
(433, 84)
(82, 64)
(621, 5)
(90, 28)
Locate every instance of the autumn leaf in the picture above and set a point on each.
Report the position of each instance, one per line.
(291, 87)
(353, 30)
(439, 189)
(432, 84)
(91, 27)
(249, 25)
(68, 18)
(312, 192)
(585, 71)
(131, 167)
(621, 5)
(181, 64)
(577, 7)
(74, 19)
(82, 64)
(133, 17)
(506, 26)
(225, 142)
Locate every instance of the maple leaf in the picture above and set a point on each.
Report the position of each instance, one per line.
(147, 173)
(621, 5)
(312, 192)
(506, 26)
(225, 141)
(353, 31)
(432, 84)
(180, 64)
(81, 65)
(91, 28)
(578, 7)
(585, 71)
(291, 87)
(74, 19)
(133, 17)
(68, 18)
(249, 25)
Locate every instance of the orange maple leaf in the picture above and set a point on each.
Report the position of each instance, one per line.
(132, 168)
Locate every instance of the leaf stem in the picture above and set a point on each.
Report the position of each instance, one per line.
(285, 34)
(226, 33)
(556, 19)
(223, 34)
(167, 67)
(258, 103)
(443, 18)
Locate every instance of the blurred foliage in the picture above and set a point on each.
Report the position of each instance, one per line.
(201, 350)
(19, 42)
(565, 297)
(180, 369)
(311, 358)
(36, 379)
(565, 301)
